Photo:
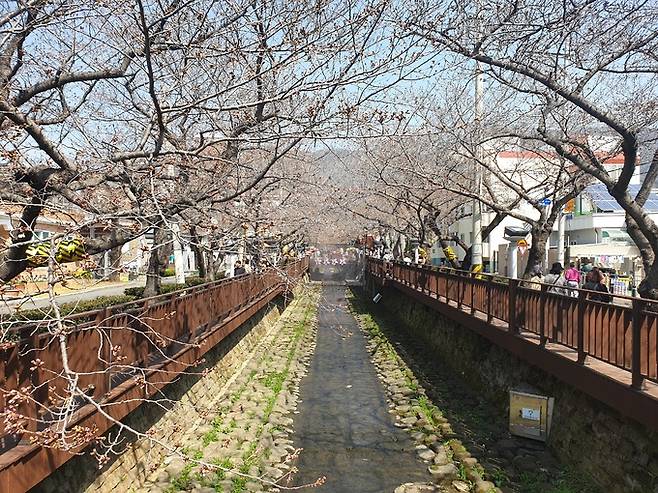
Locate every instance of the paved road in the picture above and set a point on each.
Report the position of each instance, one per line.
(344, 427)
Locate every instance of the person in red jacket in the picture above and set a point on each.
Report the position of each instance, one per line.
(572, 276)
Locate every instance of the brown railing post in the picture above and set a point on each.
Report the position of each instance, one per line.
(511, 316)
(105, 362)
(542, 315)
(472, 281)
(489, 314)
(460, 296)
(26, 352)
(581, 326)
(636, 345)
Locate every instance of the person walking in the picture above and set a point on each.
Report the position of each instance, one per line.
(586, 265)
(595, 283)
(572, 276)
(536, 278)
(556, 279)
(239, 269)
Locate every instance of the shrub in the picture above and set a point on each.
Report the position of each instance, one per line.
(129, 294)
(169, 272)
(195, 281)
(68, 308)
(170, 288)
(136, 292)
(83, 274)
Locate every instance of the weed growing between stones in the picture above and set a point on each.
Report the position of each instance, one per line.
(452, 467)
(477, 421)
(245, 446)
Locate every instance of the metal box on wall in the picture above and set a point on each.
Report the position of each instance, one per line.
(530, 415)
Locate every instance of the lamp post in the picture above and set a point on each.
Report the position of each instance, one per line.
(476, 212)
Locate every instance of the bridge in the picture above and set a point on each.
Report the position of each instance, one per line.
(269, 381)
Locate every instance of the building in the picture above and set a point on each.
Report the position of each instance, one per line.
(595, 229)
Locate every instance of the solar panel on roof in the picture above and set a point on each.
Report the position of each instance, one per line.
(604, 201)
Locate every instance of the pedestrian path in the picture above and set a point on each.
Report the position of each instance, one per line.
(344, 427)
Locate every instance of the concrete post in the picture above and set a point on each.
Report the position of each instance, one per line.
(179, 261)
(512, 260)
(560, 241)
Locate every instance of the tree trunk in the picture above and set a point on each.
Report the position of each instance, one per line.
(199, 254)
(14, 261)
(453, 262)
(486, 231)
(648, 288)
(114, 259)
(641, 242)
(155, 264)
(537, 249)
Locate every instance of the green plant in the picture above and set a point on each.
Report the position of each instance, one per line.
(195, 281)
(83, 274)
(137, 291)
(66, 309)
(169, 272)
(462, 472)
(498, 476)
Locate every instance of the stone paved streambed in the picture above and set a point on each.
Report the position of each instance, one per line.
(514, 464)
(343, 427)
(243, 444)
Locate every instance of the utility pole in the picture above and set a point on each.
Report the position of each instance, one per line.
(560, 240)
(476, 213)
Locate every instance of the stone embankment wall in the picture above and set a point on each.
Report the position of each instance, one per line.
(618, 453)
(188, 399)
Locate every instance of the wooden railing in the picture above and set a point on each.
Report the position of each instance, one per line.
(623, 333)
(116, 350)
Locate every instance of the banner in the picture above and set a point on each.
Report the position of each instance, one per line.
(449, 253)
(69, 250)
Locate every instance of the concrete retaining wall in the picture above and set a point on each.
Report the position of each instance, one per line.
(618, 453)
(190, 395)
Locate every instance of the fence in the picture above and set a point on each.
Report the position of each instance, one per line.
(623, 333)
(120, 355)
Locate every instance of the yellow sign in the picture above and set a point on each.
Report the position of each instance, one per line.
(449, 253)
(530, 415)
(570, 206)
(70, 250)
(478, 269)
(522, 244)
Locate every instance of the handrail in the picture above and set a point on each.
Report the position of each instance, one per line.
(25, 326)
(624, 333)
(505, 280)
(105, 350)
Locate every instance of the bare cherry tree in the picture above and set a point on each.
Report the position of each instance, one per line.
(157, 117)
(584, 65)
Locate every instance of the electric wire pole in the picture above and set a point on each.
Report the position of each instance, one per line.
(476, 213)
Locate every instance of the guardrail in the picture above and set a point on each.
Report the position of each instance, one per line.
(623, 333)
(120, 356)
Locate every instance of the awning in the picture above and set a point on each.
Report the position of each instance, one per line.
(616, 235)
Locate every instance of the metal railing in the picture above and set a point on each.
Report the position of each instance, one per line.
(115, 346)
(623, 333)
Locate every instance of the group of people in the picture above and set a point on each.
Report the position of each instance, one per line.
(564, 282)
